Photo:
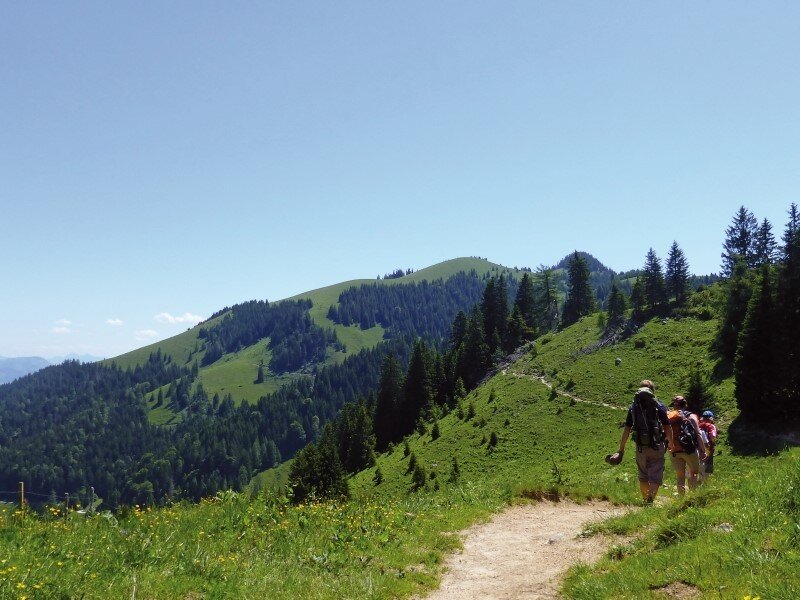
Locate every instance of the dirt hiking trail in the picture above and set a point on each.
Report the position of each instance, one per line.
(524, 551)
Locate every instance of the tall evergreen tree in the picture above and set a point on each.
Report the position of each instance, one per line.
(739, 241)
(738, 290)
(458, 330)
(518, 331)
(580, 297)
(494, 308)
(677, 275)
(388, 402)
(765, 248)
(547, 317)
(525, 302)
(788, 302)
(418, 387)
(355, 437)
(655, 290)
(756, 375)
(616, 308)
(474, 358)
(317, 471)
(638, 300)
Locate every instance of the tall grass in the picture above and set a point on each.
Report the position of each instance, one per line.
(737, 536)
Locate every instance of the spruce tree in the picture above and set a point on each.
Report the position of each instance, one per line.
(580, 297)
(317, 472)
(655, 290)
(616, 308)
(765, 247)
(475, 357)
(417, 389)
(738, 289)
(638, 300)
(388, 402)
(518, 332)
(494, 308)
(458, 330)
(525, 301)
(788, 308)
(739, 241)
(756, 376)
(677, 275)
(546, 313)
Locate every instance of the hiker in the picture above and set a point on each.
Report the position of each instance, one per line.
(708, 427)
(647, 418)
(687, 448)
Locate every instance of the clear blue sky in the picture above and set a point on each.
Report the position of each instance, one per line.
(159, 161)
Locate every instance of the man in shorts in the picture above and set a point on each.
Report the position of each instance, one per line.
(647, 419)
(685, 460)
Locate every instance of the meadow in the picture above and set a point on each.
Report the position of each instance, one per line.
(510, 440)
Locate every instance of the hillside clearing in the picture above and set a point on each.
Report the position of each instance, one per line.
(524, 551)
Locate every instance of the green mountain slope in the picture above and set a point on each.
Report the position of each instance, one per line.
(236, 372)
(737, 536)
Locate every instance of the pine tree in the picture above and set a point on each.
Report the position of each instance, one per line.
(765, 247)
(518, 331)
(655, 290)
(458, 330)
(580, 297)
(417, 389)
(638, 300)
(788, 309)
(388, 402)
(739, 287)
(546, 312)
(475, 358)
(616, 308)
(739, 241)
(525, 301)
(677, 275)
(494, 308)
(755, 371)
(317, 472)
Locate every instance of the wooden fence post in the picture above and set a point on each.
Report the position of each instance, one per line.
(22, 495)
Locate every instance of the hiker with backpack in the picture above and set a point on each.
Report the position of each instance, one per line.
(708, 427)
(647, 419)
(687, 448)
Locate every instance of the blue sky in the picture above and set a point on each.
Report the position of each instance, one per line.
(162, 160)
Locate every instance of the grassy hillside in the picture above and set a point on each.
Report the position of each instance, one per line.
(235, 373)
(737, 536)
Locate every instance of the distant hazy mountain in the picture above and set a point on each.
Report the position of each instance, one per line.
(84, 358)
(13, 368)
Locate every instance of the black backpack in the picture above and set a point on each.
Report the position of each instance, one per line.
(647, 428)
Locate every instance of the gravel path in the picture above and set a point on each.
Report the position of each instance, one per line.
(524, 551)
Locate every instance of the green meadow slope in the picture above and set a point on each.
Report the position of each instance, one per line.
(235, 373)
(512, 438)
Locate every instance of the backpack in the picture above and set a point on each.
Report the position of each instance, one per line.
(647, 427)
(682, 430)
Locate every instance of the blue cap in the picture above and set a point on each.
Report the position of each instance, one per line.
(708, 414)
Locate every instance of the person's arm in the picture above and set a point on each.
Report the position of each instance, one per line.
(662, 415)
(626, 432)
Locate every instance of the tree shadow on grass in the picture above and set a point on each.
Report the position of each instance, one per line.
(747, 438)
